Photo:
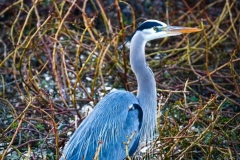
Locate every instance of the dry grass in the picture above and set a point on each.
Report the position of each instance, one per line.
(57, 56)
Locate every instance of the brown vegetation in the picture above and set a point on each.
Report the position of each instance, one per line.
(57, 56)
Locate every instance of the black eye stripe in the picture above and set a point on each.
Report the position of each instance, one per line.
(147, 25)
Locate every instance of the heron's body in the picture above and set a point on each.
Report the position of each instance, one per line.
(94, 132)
(120, 113)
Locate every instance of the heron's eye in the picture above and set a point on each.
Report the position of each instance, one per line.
(155, 28)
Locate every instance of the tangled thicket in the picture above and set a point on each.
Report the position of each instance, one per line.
(57, 56)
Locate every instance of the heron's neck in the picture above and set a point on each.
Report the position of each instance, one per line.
(145, 78)
(146, 82)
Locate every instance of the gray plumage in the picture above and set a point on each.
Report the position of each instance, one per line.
(120, 113)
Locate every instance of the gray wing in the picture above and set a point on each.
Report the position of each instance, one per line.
(116, 116)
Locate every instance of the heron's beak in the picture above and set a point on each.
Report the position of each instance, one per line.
(180, 30)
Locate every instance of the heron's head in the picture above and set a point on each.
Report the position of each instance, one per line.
(153, 29)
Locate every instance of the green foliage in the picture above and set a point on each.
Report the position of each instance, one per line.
(14, 125)
(40, 127)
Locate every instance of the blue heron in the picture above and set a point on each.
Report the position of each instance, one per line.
(121, 114)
